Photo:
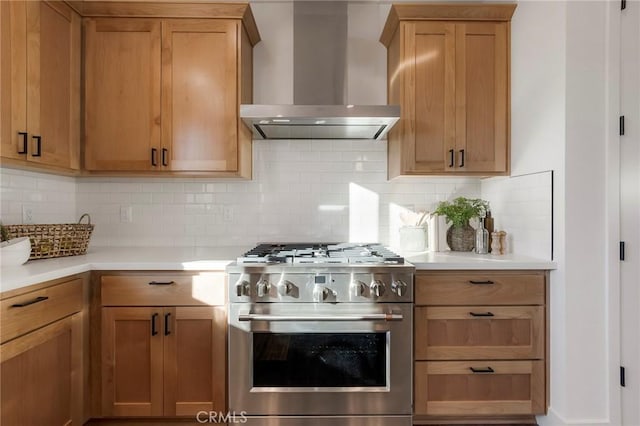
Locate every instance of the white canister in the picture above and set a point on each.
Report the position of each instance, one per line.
(413, 238)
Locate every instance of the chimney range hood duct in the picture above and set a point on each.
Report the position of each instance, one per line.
(320, 110)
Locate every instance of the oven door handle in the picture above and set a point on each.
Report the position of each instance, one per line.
(322, 318)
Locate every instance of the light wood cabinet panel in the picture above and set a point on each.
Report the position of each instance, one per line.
(199, 93)
(448, 69)
(480, 288)
(161, 360)
(482, 81)
(195, 360)
(483, 332)
(179, 84)
(479, 387)
(205, 288)
(132, 369)
(40, 84)
(20, 314)
(481, 346)
(40, 376)
(122, 94)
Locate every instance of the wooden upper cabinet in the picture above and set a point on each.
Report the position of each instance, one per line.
(163, 95)
(122, 94)
(40, 114)
(448, 69)
(199, 95)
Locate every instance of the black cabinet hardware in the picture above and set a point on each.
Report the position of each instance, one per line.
(481, 314)
(30, 302)
(154, 157)
(462, 158)
(38, 152)
(481, 370)
(451, 155)
(154, 332)
(165, 151)
(487, 282)
(166, 324)
(24, 142)
(161, 282)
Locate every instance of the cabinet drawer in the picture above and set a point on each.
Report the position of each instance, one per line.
(479, 332)
(163, 290)
(29, 311)
(479, 387)
(480, 288)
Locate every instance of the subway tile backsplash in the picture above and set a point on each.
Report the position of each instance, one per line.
(301, 190)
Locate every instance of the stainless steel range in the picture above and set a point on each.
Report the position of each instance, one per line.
(321, 334)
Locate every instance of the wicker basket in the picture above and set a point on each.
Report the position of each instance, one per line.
(55, 240)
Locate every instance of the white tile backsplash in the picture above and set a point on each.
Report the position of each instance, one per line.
(522, 206)
(52, 199)
(300, 191)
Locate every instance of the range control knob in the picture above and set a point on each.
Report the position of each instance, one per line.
(242, 288)
(356, 288)
(321, 293)
(285, 287)
(377, 288)
(399, 287)
(263, 286)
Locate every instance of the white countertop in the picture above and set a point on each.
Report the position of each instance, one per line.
(468, 261)
(216, 259)
(120, 258)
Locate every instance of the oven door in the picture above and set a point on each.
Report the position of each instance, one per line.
(320, 359)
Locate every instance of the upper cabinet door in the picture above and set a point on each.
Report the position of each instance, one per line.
(122, 94)
(429, 96)
(200, 95)
(53, 84)
(40, 84)
(482, 81)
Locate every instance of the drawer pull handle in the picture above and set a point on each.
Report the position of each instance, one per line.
(30, 302)
(153, 324)
(166, 324)
(482, 370)
(481, 314)
(481, 282)
(162, 282)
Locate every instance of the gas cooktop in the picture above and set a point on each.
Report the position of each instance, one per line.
(320, 253)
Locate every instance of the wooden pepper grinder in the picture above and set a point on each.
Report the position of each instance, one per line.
(503, 242)
(488, 225)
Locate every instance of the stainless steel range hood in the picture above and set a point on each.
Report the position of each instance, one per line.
(321, 109)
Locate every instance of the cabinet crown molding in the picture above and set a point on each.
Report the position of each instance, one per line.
(145, 9)
(444, 12)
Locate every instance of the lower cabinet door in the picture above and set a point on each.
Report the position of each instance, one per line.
(479, 387)
(132, 367)
(40, 377)
(195, 360)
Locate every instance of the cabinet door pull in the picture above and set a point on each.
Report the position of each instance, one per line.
(165, 151)
(30, 302)
(462, 158)
(154, 156)
(451, 155)
(161, 282)
(482, 370)
(487, 282)
(166, 324)
(25, 136)
(153, 324)
(481, 314)
(38, 152)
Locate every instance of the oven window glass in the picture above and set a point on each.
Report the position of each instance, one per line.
(319, 360)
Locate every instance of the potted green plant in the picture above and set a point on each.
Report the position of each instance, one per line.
(461, 235)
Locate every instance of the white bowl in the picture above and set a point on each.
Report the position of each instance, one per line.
(15, 252)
